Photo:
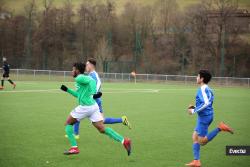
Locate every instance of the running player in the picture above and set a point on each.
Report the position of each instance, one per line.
(205, 112)
(6, 74)
(87, 108)
(90, 69)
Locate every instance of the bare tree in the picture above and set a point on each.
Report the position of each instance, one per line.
(210, 22)
(167, 11)
(102, 53)
(46, 33)
(30, 12)
(84, 28)
(225, 8)
(177, 41)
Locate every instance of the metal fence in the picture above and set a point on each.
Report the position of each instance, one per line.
(51, 75)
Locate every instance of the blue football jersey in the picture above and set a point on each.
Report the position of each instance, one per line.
(96, 77)
(204, 101)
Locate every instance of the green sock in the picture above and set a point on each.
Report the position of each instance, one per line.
(69, 132)
(114, 135)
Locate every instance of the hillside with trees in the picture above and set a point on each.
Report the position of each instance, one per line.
(158, 37)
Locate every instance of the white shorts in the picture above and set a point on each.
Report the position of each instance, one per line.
(91, 112)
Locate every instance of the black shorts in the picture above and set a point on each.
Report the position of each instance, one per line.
(6, 75)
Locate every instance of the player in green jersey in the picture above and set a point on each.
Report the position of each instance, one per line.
(87, 108)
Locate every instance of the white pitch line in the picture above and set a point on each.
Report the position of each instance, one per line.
(109, 90)
(182, 89)
(125, 89)
(134, 91)
(28, 91)
(28, 83)
(57, 91)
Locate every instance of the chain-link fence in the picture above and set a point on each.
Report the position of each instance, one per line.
(51, 75)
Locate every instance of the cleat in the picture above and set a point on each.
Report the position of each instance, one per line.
(77, 137)
(194, 163)
(127, 145)
(1, 87)
(72, 150)
(224, 127)
(126, 122)
(14, 85)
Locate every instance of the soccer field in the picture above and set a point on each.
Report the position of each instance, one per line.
(32, 126)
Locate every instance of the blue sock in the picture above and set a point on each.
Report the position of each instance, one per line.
(112, 120)
(212, 134)
(76, 128)
(196, 151)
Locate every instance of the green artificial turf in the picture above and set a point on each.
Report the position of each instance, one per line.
(32, 126)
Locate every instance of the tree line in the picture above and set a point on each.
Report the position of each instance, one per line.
(156, 38)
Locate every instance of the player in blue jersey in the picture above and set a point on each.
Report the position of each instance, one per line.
(90, 69)
(205, 112)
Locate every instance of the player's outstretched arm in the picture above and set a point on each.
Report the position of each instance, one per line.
(97, 95)
(70, 91)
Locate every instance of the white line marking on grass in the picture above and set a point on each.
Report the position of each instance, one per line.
(125, 89)
(29, 91)
(108, 92)
(121, 90)
(27, 83)
(178, 89)
(133, 91)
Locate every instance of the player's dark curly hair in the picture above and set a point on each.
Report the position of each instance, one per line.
(206, 75)
(80, 66)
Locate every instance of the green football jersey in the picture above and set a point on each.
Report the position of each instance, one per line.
(85, 89)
